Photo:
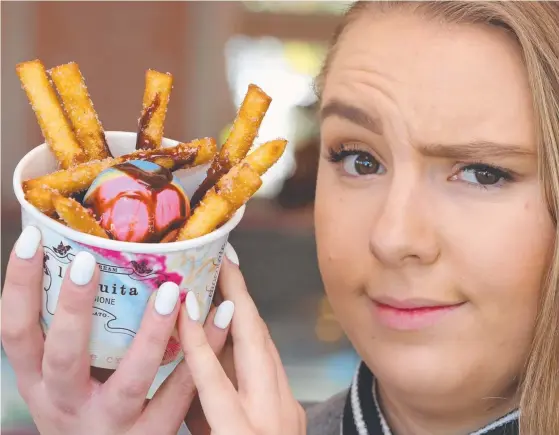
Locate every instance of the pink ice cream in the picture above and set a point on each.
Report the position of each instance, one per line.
(138, 201)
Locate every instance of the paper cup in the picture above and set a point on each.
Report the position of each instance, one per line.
(130, 272)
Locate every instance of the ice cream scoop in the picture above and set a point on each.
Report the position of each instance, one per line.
(138, 201)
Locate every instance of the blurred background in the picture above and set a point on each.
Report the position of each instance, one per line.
(214, 50)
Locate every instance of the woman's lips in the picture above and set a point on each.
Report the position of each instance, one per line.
(411, 315)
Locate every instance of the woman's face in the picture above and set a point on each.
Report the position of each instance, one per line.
(433, 234)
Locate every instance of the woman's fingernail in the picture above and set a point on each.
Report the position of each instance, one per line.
(224, 314)
(83, 268)
(192, 307)
(166, 298)
(28, 243)
(231, 254)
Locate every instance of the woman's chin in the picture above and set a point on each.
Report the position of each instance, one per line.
(414, 371)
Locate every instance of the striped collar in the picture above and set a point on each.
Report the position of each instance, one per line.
(363, 415)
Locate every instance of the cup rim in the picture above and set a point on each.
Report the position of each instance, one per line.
(115, 245)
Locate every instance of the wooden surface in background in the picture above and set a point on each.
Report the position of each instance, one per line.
(115, 43)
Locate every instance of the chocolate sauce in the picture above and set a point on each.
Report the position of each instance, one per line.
(179, 163)
(159, 236)
(179, 159)
(155, 181)
(79, 196)
(171, 236)
(144, 141)
(218, 169)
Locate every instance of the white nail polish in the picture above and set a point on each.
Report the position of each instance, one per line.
(224, 314)
(166, 298)
(28, 243)
(231, 254)
(192, 307)
(82, 268)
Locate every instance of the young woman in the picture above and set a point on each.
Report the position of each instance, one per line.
(436, 223)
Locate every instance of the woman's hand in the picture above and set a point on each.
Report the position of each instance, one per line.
(53, 374)
(263, 404)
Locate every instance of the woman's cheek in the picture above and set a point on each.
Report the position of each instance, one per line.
(342, 243)
(500, 259)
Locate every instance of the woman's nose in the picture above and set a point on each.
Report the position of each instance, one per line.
(404, 230)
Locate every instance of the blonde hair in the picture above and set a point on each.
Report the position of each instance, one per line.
(535, 26)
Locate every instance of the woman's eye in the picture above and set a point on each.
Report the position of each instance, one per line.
(362, 164)
(483, 175)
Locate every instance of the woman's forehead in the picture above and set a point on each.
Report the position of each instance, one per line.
(413, 51)
(443, 79)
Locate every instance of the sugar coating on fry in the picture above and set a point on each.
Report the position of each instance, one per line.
(78, 106)
(51, 118)
(227, 196)
(246, 125)
(68, 181)
(154, 109)
(41, 198)
(76, 216)
(240, 139)
(264, 157)
(78, 178)
(198, 225)
(238, 185)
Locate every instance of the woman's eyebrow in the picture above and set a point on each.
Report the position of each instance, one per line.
(462, 151)
(474, 150)
(336, 108)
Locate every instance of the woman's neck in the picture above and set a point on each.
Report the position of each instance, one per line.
(407, 416)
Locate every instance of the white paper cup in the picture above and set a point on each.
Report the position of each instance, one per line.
(130, 272)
